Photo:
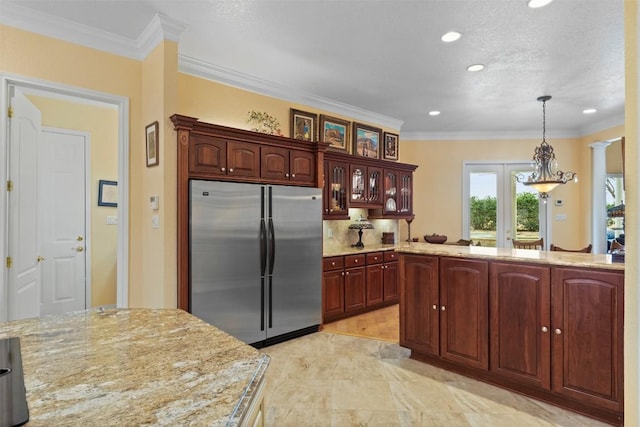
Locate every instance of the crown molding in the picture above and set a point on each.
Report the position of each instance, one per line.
(160, 28)
(602, 124)
(198, 68)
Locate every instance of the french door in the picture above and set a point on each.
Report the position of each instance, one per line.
(497, 208)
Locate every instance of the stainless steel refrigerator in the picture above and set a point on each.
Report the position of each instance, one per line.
(256, 259)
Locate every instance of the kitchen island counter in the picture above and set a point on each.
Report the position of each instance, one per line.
(135, 367)
(571, 259)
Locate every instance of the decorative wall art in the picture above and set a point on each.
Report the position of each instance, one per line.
(366, 140)
(153, 152)
(335, 132)
(108, 193)
(390, 146)
(303, 125)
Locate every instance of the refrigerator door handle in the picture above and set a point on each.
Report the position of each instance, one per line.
(272, 244)
(263, 247)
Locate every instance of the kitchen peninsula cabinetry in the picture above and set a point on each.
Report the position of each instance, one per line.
(212, 152)
(553, 332)
(355, 284)
(383, 187)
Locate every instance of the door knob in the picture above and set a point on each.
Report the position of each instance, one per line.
(40, 258)
(78, 249)
(79, 238)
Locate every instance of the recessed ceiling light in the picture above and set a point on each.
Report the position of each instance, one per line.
(451, 36)
(475, 67)
(434, 113)
(589, 111)
(534, 4)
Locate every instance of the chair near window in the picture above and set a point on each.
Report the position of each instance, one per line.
(586, 250)
(528, 244)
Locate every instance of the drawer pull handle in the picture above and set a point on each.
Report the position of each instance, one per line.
(333, 263)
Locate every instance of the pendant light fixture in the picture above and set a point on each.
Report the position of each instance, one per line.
(546, 175)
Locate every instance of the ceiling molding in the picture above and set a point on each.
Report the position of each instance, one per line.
(195, 67)
(484, 135)
(51, 26)
(160, 28)
(602, 124)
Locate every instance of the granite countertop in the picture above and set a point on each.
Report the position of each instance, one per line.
(349, 250)
(573, 259)
(134, 367)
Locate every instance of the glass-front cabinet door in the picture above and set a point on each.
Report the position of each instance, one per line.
(336, 181)
(358, 191)
(390, 192)
(405, 199)
(374, 187)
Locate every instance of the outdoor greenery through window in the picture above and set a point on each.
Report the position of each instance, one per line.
(484, 212)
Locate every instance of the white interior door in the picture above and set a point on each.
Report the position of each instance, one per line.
(24, 273)
(61, 214)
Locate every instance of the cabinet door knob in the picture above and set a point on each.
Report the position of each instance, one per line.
(230, 169)
(443, 308)
(545, 329)
(435, 307)
(342, 273)
(223, 169)
(347, 273)
(558, 331)
(287, 175)
(293, 175)
(333, 264)
(356, 261)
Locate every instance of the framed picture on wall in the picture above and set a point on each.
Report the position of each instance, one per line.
(108, 193)
(335, 132)
(390, 146)
(366, 140)
(303, 125)
(153, 154)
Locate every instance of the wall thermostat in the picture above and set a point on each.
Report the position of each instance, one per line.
(559, 202)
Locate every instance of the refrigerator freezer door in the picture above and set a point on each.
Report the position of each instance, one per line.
(225, 257)
(296, 285)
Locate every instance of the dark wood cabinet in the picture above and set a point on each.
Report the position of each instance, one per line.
(287, 166)
(336, 177)
(420, 304)
(551, 332)
(520, 297)
(354, 282)
(587, 345)
(464, 311)
(391, 291)
(381, 186)
(208, 155)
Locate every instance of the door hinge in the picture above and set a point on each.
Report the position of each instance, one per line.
(10, 112)
(9, 185)
(9, 262)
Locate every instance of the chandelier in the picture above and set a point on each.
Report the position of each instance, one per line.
(546, 175)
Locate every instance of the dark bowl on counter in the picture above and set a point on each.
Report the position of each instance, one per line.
(435, 238)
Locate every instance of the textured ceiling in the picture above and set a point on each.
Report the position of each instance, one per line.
(386, 57)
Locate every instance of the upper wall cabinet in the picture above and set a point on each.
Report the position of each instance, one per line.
(383, 187)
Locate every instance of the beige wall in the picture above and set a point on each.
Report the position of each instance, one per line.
(102, 125)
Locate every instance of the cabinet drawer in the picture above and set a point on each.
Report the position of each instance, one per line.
(374, 258)
(354, 261)
(332, 263)
(390, 255)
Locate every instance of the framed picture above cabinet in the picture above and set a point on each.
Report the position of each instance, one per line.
(335, 132)
(366, 140)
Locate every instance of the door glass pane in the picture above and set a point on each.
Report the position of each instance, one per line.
(483, 208)
(526, 215)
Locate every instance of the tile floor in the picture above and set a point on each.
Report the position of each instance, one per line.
(326, 379)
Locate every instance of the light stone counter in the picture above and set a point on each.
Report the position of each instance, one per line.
(134, 367)
(573, 259)
(349, 250)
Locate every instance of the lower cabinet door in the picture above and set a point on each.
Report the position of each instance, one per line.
(464, 312)
(354, 288)
(587, 322)
(520, 299)
(375, 277)
(419, 308)
(391, 281)
(332, 293)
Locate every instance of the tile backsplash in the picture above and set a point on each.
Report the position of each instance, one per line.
(336, 233)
